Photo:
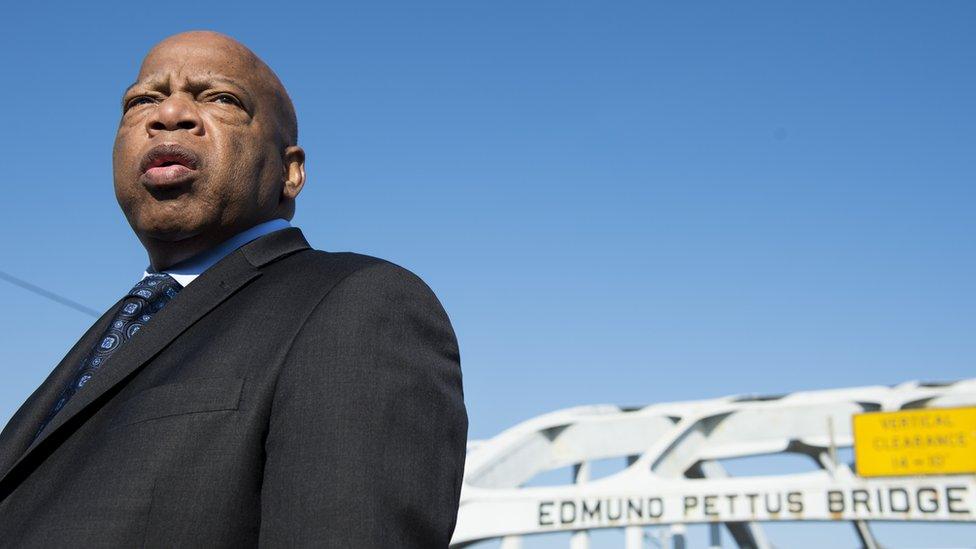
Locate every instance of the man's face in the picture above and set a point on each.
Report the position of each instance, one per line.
(199, 147)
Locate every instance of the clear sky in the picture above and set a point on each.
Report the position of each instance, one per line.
(617, 202)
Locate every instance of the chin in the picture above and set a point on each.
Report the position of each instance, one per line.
(167, 221)
(168, 228)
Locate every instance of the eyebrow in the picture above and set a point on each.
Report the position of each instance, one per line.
(132, 85)
(194, 83)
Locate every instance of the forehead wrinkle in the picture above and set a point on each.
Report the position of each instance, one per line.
(153, 82)
(195, 68)
(208, 80)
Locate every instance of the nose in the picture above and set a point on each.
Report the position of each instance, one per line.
(174, 113)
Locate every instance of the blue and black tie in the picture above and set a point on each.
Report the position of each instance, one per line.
(145, 299)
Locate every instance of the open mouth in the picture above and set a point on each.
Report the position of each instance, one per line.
(168, 164)
(167, 155)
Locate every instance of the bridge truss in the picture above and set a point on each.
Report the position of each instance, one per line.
(674, 475)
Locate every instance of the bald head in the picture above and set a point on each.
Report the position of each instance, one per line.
(206, 147)
(239, 56)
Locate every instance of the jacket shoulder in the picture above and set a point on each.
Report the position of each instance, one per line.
(317, 271)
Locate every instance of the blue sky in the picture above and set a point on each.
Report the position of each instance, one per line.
(623, 202)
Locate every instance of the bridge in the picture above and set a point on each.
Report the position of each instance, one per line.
(671, 472)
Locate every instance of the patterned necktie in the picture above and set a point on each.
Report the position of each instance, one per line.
(142, 302)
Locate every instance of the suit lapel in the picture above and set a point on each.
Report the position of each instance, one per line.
(21, 428)
(197, 299)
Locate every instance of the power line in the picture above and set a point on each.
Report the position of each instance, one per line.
(48, 294)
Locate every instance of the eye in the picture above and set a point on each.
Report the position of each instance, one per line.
(139, 100)
(226, 98)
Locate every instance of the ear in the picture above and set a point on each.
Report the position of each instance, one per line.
(294, 163)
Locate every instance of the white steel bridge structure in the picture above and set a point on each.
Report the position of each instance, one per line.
(673, 475)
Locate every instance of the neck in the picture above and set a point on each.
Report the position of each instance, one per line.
(165, 253)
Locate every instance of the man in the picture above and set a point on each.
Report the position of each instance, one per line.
(249, 390)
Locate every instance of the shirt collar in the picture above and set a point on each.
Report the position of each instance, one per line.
(188, 270)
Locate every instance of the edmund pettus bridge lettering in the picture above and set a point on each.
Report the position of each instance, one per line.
(876, 502)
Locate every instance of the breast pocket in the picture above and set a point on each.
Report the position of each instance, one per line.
(174, 399)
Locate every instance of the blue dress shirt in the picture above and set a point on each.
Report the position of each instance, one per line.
(188, 270)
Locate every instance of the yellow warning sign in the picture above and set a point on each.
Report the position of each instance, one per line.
(930, 441)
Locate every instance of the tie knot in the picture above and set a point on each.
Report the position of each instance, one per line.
(156, 288)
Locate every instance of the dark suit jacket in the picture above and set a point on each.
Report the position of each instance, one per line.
(287, 397)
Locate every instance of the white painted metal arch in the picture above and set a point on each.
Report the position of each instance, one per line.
(674, 476)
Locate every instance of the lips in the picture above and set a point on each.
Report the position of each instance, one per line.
(168, 164)
(169, 154)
